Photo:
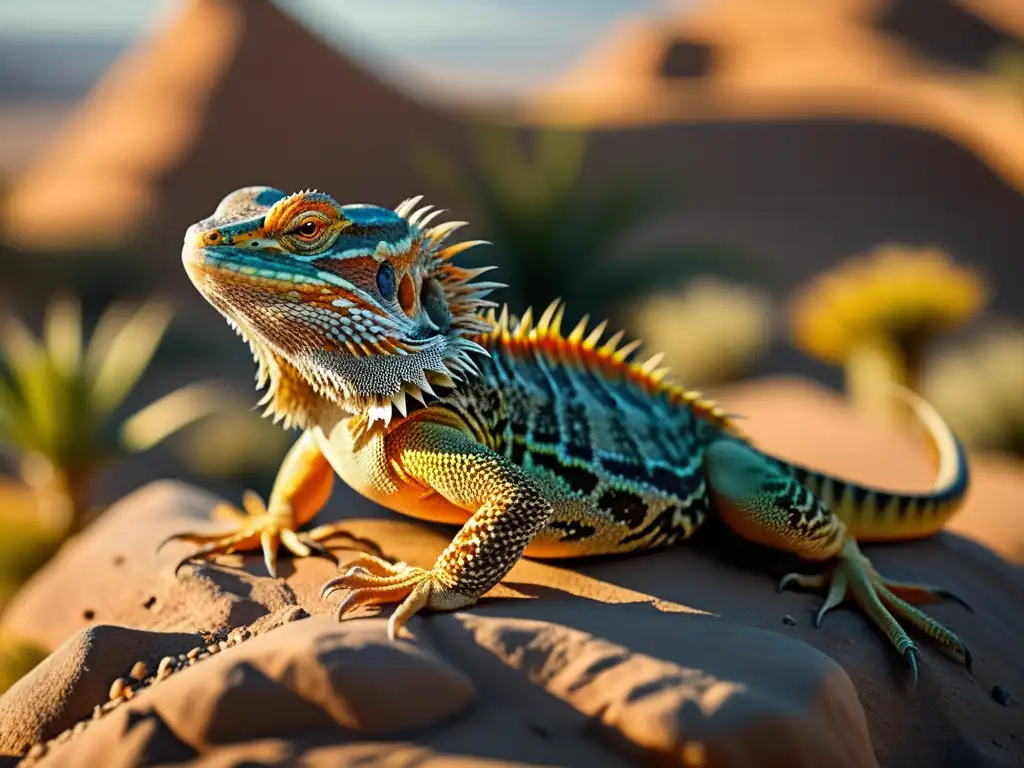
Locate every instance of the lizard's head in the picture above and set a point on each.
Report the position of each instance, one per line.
(344, 306)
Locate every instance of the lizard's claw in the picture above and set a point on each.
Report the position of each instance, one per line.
(256, 528)
(372, 580)
(880, 598)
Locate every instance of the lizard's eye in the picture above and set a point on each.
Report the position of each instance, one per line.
(309, 229)
(308, 232)
(386, 281)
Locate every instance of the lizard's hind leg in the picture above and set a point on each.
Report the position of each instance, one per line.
(758, 499)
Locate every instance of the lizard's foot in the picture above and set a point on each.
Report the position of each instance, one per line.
(372, 580)
(257, 528)
(880, 598)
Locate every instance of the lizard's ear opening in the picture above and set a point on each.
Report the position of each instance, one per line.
(451, 297)
(435, 303)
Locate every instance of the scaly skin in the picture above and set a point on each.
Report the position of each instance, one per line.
(534, 442)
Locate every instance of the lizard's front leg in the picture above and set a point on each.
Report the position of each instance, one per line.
(301, 488)
(507, 507)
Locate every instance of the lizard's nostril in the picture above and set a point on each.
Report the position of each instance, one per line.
(213, 237)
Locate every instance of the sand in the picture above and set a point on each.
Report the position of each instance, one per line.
(684, 657)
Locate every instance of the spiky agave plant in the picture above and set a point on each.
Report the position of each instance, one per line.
(545, 220)
(59, 397)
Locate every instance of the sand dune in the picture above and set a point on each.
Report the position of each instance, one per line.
(906, 62)
(229, 93)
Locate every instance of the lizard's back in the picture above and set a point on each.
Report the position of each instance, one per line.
(620, 454)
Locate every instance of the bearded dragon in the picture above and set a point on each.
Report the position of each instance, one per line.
(408, 384)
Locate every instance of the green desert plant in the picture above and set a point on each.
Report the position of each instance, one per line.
(555, 236)
(59, 398)
(734, 323)
(26, 542)
(17, 658)
(977, 387)
(878, 313)
(25, 545)
(1006, 67)
(235, 443)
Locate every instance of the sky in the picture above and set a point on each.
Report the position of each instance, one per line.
(53, 51)
(503, 44)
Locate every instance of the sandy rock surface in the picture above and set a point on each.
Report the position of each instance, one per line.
(686, 657)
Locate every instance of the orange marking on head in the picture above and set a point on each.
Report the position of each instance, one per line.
(321, 301)
(264, 284)
(408, 298)
(243, 239)
(284, 213)
(406, 260)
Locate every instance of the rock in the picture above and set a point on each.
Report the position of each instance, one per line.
(675, 657)
(74, 679)
(139, 671)
(81, 577)
(316, 675)
(767, 701)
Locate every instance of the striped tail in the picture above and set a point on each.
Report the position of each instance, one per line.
(873, 514)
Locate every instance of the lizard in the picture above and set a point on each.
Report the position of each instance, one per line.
(408, 384)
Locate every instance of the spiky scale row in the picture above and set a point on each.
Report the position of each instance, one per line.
(405, 207)
(465, 298)
(440, 233)
(582, 346)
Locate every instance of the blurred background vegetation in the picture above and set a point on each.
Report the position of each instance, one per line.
(551, 235)
(666, 164)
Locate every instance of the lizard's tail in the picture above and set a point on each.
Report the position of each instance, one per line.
(880, 515)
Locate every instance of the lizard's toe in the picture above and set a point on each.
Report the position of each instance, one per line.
(255, 528)
(853, 576)
(371, 580)
(369, 572)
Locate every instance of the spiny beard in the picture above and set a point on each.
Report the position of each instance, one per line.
(380, 385)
